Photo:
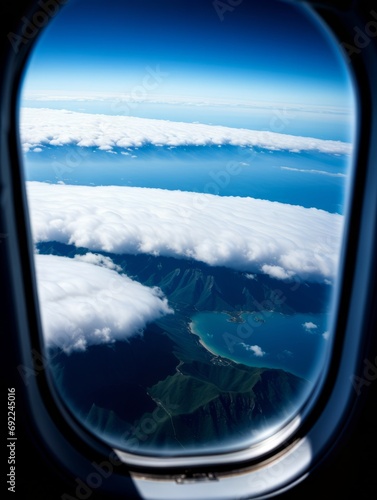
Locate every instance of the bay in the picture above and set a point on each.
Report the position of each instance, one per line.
(295, 343)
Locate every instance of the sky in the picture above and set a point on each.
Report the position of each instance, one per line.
(188, 49)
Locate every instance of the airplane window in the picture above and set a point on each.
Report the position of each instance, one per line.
(187, 166)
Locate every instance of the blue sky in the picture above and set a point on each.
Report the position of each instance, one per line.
(94, 45)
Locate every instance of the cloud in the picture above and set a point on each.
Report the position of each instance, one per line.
(326, 334)
(255, 349)
(277, 272)
(250, 276)
(285, 354)
(244, 234)
(51, 127)
(309, 326)
(84, 304)
(98, 260)
(313, 171)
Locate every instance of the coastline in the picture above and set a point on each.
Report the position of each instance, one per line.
(191, 328)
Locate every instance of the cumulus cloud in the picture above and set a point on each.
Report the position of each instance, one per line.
(84, 304)
(52, 127)
(255, 349)
(245, 234)
(309, 326)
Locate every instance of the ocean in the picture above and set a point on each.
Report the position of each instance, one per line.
(309, 179)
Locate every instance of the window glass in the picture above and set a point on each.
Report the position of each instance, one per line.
(186, 166)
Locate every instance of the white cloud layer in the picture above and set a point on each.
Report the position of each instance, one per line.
(50, 127)
(280, 240)
(84, 304)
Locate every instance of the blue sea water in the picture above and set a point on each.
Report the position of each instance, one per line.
(284, 340)
(309, 179)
